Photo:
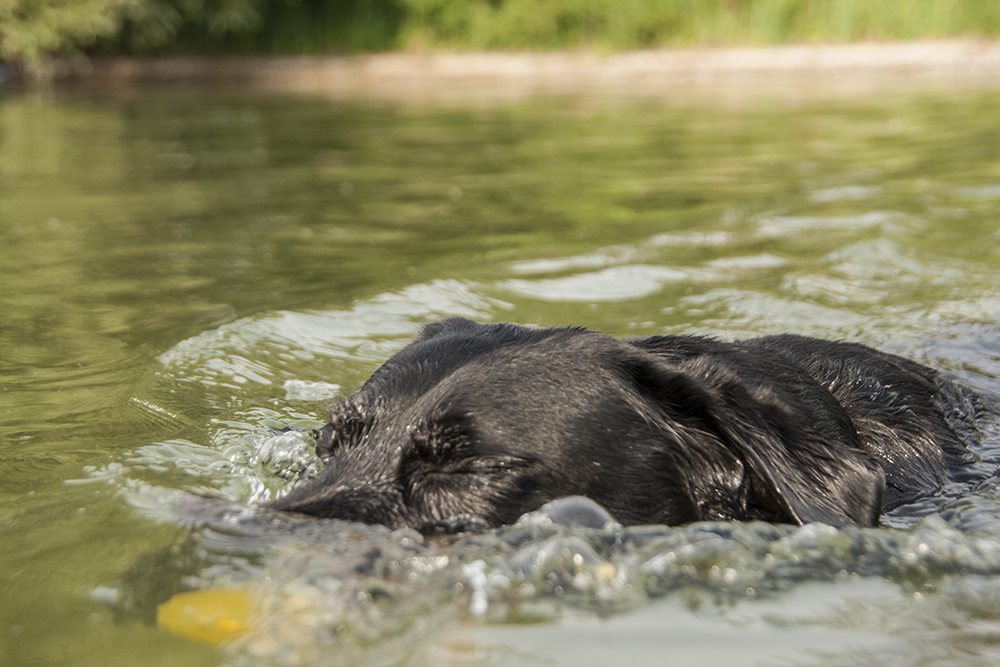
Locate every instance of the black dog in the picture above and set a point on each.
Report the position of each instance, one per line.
(494, 420)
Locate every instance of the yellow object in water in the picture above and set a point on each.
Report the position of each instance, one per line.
(211, 616)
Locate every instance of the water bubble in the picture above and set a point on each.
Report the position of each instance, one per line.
(578, 512)
(288, 456)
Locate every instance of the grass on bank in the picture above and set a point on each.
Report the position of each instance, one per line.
(613, 24)
(33, 29)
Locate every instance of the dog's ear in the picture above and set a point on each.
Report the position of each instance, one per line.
(791, 470)
(444, 327)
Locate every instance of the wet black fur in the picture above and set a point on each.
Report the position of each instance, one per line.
(493, 420)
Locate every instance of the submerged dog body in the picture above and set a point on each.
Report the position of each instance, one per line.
(494, 420)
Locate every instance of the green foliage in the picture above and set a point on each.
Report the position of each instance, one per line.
(258, 26)
(153, 24)
(319, 26)
(30, 29)
(544, 23)
(643, 23)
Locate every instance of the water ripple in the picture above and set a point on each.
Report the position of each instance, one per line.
(261, 349)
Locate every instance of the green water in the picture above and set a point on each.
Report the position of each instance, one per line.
(178, 268)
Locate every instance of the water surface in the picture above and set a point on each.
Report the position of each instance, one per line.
(180, 271)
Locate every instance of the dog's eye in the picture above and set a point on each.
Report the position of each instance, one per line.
(345, 429)
(450, 446)
(491, 464)
(438, 441)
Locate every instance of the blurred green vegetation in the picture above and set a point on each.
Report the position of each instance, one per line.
(613, 24)
(31, 29)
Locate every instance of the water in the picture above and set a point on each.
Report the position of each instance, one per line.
(183, 270)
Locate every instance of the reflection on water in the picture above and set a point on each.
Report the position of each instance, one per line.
(184, 274)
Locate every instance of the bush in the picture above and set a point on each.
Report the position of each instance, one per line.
(30, 29)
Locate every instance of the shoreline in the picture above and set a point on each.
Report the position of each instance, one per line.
(448, 76)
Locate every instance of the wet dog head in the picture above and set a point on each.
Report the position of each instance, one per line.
(487, 420)
(494, 420)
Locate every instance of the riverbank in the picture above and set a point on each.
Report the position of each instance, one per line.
(792, 70)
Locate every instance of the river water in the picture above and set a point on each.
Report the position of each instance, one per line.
(181, 270)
